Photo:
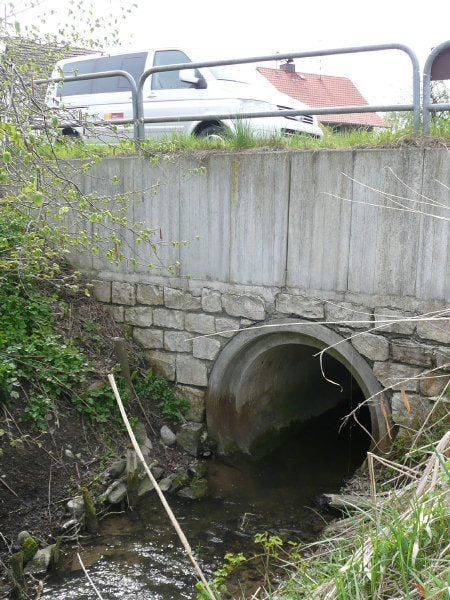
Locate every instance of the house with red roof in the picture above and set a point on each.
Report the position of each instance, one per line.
(320, 91)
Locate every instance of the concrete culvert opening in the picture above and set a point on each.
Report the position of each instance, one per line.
(267, 386)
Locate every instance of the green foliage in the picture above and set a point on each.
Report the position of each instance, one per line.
(153, 387)
(270, 543)
(29, 548)
(34, 361)
(36, 364)
(98, 402)
(218, 585)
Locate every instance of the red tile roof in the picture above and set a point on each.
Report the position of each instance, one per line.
(318, 91)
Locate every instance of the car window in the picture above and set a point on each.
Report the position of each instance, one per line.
(132, 63)
(170, 80)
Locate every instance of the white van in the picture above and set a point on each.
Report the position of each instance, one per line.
(208, 91)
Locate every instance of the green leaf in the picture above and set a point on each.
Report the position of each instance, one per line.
(38, 198)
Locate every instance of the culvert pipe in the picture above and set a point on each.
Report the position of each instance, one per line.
(266, 378)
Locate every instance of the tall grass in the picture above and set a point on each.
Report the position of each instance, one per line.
(242, 137)
(399, 547)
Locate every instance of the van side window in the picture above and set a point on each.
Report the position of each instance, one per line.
(132, 63)
(170, 80)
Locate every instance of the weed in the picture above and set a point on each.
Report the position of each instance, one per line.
(241, 137)
(153, 387)
(231, 563)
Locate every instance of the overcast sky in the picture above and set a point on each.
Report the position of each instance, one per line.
(246, 28)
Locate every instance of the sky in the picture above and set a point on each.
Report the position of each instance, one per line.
(238, 28)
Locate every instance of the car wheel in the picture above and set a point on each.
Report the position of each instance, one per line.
(214, 132)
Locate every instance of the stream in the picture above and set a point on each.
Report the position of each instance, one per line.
(139, 556)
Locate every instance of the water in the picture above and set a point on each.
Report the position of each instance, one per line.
(139, 556)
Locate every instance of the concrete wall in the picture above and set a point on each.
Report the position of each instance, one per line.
(275, 219)
(256, 236)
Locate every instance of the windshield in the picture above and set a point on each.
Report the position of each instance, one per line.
(230, 73)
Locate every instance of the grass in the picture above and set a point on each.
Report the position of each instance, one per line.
(243, 138)
(397, 549)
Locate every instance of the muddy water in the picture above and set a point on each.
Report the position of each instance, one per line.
(138, 556)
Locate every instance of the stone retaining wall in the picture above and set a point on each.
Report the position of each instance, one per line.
(170, 322)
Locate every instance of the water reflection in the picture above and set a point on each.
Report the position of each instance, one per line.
(138, 556)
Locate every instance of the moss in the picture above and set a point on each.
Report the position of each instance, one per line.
(16, 564)
(29, 548)
(180, 480)
(56, 557)
(90, 514)
(133, 482)
(199, 486)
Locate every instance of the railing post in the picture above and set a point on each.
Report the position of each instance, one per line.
(426, 100)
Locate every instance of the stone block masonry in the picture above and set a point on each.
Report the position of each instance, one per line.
(185, 332)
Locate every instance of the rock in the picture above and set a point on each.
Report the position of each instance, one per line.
(438, 331)
(165, 483)
(110, 489)
(69, 453)
(371, 346)
(200, 323)
(21, 537)
(397, 376)
(196, 399)
(351, 314)
(197, 470)
(196, 490)
(191, 370)
(149, 294)
(41, 561)
(117, 494)
(249, 307)
(123, 293)
(298, 305)
(180, 480)
(140, 433)
(145, 487)
(409, 411)
(148, 338)
(76, 506)
(211, 301)
(180, 300)
(411, 353)
(384, 315)
(173, 482)
(433, 385)
(168, 437)
(143, 440)
(69, 524)
(206, 348)
(163, 363)
(140, 316)
(116, 468)
(189, 437)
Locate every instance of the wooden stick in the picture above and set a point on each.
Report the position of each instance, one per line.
(164, 502)
(87, 575)
(7, 487)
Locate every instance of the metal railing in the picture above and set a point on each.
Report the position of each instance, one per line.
(427, 106)
(138, 119)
